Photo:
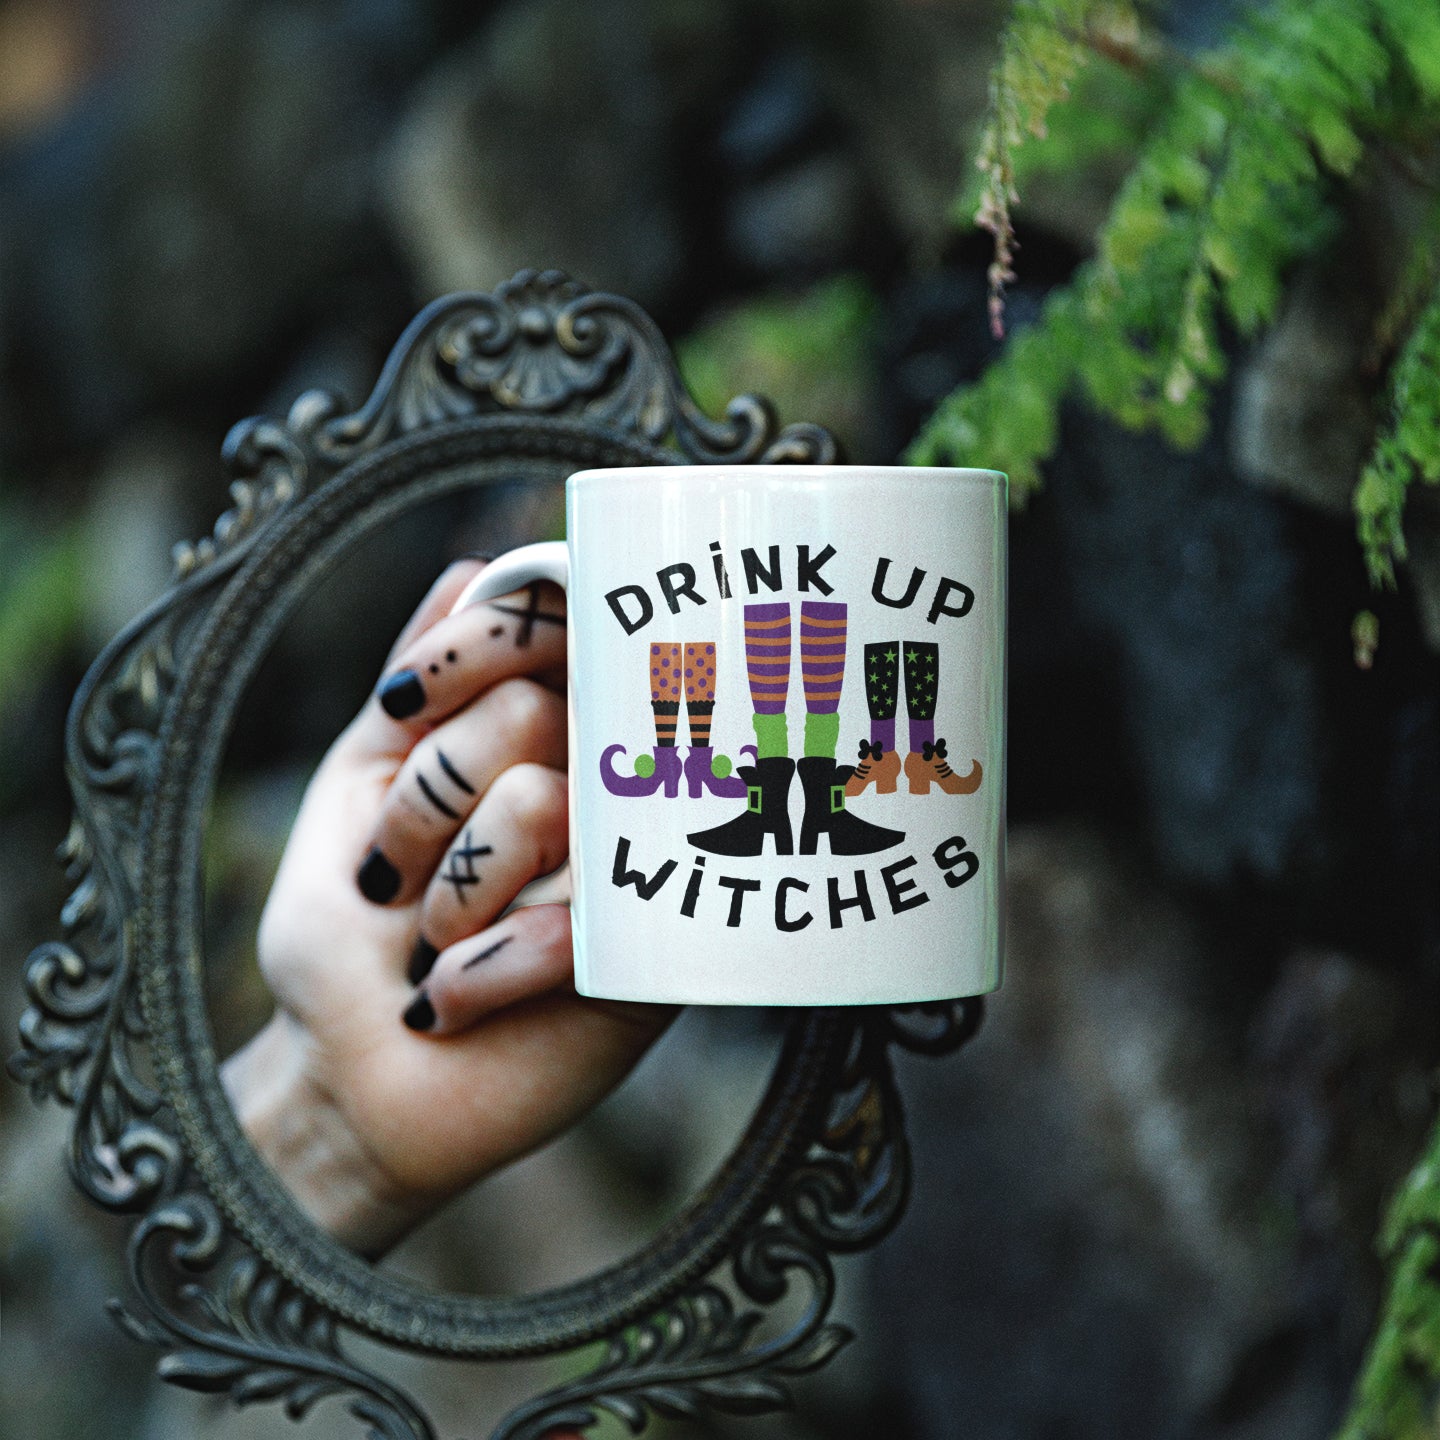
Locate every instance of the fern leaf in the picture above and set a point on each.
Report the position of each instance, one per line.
(1394, 1395)
(1414, 32)
(1045, 45)
(1231, 190)
(1406, 450)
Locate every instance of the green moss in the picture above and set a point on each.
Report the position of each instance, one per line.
(41, 584)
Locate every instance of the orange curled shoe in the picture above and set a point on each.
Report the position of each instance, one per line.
(876, 766)
(929, 766)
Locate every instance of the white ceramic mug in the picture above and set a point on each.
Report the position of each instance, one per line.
(787, 730)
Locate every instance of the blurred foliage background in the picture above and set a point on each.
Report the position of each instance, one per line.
(1148, 1197)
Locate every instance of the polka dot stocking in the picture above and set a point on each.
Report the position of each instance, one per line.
(665, 684)
(700, 689)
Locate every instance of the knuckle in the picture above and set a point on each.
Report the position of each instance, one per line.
(530, 795)
(421, 761)
(547, 928)
(526, 710)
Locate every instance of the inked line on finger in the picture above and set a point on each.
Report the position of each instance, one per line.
(530, 616)
(453, 773)
(435, 800)
(461, 870)
(494, 949)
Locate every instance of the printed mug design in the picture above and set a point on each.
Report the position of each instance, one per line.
(927, 763)
(766, 783)
(848, 855)
(703, 768)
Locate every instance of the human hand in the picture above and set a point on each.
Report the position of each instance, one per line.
(441, 801)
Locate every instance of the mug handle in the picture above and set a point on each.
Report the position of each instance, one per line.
(548, 560)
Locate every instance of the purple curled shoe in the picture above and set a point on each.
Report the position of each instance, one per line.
(702, 774)
(650, 774)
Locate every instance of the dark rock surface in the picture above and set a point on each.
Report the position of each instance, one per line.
(1180, 659)
(547, 137)
(206, 204)
(1139, 1212)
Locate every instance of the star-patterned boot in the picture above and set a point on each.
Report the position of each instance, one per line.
(927, 763)
(879, 762)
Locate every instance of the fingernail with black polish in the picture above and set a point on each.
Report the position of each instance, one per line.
(402, 694)
(420, 1015)
(422, 960)
(378, 879)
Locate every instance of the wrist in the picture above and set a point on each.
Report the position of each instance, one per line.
(300, 1132)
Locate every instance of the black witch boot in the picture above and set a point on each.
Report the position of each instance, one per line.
(823, 782)
(767, 793)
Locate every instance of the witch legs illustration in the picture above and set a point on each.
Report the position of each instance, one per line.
(926, 764)
(671, 674)
(823, 627)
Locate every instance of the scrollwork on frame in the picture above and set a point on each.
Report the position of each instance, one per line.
(546, 369)
(844, 1195)
(82, 1029)
(544, 345)
(936, 1029)
(694, 1356)
(240, 1331)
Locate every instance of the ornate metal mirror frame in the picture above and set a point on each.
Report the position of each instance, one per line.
(245, 1296)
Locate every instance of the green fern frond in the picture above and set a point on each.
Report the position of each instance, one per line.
(1114, 102)
(1395, 1396)
(1233, 187)
(1045, 45)
(1407, 449)
(1012, 412)
(1413, 33)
